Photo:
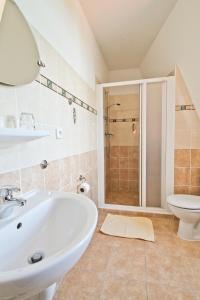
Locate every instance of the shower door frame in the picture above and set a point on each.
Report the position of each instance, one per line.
(167, 161)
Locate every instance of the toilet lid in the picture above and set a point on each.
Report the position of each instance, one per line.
(184, 201)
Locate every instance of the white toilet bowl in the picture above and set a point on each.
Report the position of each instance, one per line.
(187, 209)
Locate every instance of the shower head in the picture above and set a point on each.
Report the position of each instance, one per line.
(118, 104)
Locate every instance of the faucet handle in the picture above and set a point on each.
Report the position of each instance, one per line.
(8, 190)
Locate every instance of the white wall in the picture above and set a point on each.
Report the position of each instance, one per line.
(178, 43)
(124, 74)
(63, 24)
(51, 111)
(73, 60)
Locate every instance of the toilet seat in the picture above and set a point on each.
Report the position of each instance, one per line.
(191, 202)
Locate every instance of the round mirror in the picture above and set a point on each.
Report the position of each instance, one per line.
(19, 56)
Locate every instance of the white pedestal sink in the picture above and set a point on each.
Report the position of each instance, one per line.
(56, 225)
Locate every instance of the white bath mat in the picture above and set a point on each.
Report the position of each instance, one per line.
(128, 227)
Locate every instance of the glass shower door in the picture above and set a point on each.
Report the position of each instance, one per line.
(122, 145)
(154, 148)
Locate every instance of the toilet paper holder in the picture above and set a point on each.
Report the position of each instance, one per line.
(83, 186)
(82, 178)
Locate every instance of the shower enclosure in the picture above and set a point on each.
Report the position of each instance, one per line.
(122, 129)
(136, 143)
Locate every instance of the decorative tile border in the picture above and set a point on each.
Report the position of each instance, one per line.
(124, 120)
(185, 107)
(64, 93)
(73, 99)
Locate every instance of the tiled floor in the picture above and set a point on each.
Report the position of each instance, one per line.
(126, 269)
(122, 198)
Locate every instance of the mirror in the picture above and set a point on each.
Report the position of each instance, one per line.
(19, 55)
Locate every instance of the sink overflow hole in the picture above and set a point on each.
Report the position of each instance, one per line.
(36, 257)
(19, 225)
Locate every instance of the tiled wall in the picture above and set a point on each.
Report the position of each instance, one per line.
(187, 171)
(47, 98)
(51, 110)
(122, 131)
(60, 175)
(187, 142)
(121, 151)
(124, 169)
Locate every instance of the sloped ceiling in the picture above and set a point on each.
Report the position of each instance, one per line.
(125, 29)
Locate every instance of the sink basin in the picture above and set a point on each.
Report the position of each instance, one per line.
(43, 242)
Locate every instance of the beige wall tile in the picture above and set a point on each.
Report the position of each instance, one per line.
(195, 158)
(182, 158)
(114, 173)
(195, 190)
(195, 176)
(114, 151)
(114, 185)
(52, 176)
(181, 189)
(123, 162)
(182, 176)
(11, 178)
(123, 186)
(114, 163)
(133, 174)
(195, 139)
(123, 174)
(134, 186)
(123, 151)
(32, 178)
(133, 163)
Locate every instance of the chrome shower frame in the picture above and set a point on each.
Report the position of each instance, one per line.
(168, 90)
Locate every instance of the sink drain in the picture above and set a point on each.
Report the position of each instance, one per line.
(36, 257)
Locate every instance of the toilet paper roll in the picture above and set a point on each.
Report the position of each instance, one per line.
(83, 188)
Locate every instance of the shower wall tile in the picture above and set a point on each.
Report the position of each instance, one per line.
(133, 174)
(114, 163)
(115, 151)
(134, 187)
(123, 174)
(124, 169)
(123, 151)
(114, 185)
(123, 186)
(115, 174)
(133, 163)
(123, 162)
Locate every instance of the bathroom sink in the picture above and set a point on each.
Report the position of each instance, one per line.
(43, 242)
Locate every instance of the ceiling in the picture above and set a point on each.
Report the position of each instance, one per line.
(125, 29)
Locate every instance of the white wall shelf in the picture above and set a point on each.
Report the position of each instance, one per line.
(13, 136)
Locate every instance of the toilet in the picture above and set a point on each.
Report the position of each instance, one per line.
(187, 209)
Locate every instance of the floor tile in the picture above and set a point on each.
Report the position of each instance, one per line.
(81, 286)
(115, 268)
(117, 288)
(164, 292)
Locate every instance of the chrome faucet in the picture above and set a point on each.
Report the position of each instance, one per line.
(6, 194)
